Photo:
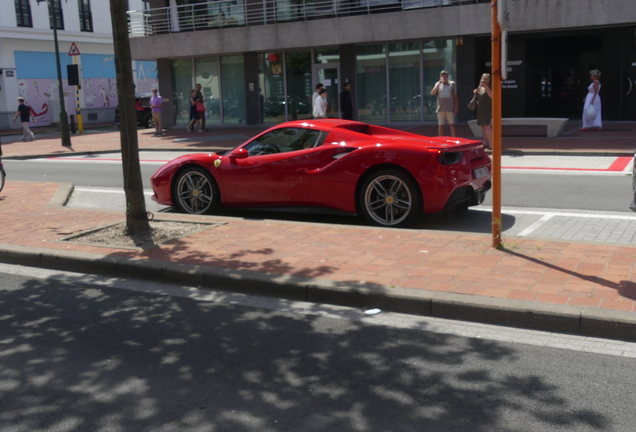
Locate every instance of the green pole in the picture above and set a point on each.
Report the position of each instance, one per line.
(66, 136)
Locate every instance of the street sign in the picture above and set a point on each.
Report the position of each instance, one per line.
(73, 51)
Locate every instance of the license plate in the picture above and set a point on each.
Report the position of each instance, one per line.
(481, 172)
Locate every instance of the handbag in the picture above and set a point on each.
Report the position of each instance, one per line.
(200, 107)
(472, 105)
(590, 113)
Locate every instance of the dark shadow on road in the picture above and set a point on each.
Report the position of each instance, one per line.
(79, 357)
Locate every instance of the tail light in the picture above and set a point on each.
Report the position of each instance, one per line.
(449, 158)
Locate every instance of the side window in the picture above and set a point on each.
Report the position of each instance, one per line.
(283, 141)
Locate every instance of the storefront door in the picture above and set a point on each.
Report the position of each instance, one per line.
(328, 75)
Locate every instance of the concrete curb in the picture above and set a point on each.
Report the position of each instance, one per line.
(577, 320)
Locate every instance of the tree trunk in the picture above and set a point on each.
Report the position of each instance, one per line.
(136, 215)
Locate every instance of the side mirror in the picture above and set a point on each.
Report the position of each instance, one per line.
(238, 154)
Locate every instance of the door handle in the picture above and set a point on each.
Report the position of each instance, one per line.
(302, 170)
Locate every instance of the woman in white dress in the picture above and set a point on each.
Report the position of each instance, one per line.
(593, 99)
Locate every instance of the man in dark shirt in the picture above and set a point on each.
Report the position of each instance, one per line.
(25, 113)
(346, 106)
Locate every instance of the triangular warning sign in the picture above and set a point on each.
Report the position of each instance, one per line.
(73, 50)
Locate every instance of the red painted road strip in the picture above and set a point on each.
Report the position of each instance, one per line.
(619, 165)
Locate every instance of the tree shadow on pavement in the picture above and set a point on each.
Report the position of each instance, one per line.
(78, 357)
(625, 288)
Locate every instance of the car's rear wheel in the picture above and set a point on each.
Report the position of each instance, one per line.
(195, 191)
(390, 198)
(149, 122)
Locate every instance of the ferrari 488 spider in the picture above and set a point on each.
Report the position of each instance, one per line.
(388, 176)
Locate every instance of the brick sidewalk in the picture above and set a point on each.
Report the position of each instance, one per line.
(594, 275)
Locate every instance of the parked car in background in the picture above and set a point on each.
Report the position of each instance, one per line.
(275, 106)
(142, 111)
(388, 176)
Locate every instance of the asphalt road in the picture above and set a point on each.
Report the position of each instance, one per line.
(82, 353)
(529, 189)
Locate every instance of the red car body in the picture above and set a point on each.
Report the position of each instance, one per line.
(434, 173)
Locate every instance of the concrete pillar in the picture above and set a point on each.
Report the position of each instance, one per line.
(252, 100)
(164, 77)
(466, 71)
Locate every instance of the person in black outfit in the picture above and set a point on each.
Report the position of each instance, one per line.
(346, 107)
(25, 113)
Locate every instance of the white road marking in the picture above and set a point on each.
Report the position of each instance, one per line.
(581, 214)
(535, 225)
(104, 190)
(386, 319)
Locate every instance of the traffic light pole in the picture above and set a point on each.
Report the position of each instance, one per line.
(66, 136)
(496, 127)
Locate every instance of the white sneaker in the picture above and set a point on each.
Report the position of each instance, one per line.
(32, 136)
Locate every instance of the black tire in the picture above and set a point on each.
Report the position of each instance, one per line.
(2, 176)
(195, 191)
(149, 122)
(390, 198)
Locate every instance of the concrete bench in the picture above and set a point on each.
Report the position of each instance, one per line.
(555, 125)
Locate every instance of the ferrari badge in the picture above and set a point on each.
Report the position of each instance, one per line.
(217, 163)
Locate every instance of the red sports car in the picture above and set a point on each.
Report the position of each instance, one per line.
(388, 176)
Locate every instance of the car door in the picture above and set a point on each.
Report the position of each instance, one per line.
(274, 171)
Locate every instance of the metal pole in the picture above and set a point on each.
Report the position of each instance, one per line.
(80, 124)
(496, 128)
(66, 136)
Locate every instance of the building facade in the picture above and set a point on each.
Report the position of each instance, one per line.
(259, 60)
(28, 67)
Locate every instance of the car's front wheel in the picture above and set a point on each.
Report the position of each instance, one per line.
(390, 198)
(195, 191)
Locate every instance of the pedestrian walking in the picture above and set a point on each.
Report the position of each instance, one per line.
(156, 102)
(194, 115)
(315, 96)
(346, 106)
(484, 109)
(447, 105)
(320, 105)
(25, 113)
(592, 104)
(201, 107)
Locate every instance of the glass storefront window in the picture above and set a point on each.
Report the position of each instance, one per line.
(404, 81)
(299, 91)
(207, 74)
(181, 86)
(198, 15)
(437, 55)
(233, 88)
(371, 82)
(328, 55)
(272, 89)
